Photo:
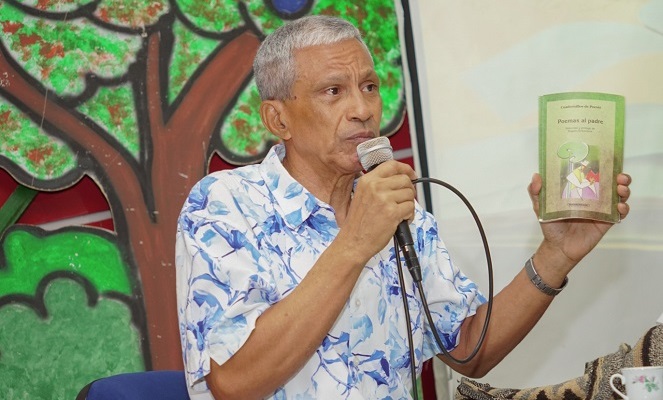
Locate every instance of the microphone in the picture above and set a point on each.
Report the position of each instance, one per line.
(372, 153)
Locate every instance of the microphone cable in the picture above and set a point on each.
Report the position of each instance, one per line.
(424, 302)
(410, 341)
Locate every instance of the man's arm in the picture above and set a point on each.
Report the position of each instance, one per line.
(289, 332)
(519, 306)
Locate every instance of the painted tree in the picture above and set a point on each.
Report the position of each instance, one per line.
(139, 96)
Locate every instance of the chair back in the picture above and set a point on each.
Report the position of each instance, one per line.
(163, 385)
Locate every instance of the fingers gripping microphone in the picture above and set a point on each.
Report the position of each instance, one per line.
(372, 153)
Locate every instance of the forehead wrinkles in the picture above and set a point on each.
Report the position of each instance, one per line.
(342, 59)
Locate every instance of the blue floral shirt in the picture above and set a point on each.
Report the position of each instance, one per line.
(246, 238)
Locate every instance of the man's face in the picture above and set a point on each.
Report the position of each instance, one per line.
(335, 104)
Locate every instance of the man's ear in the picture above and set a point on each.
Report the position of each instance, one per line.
(274, 118)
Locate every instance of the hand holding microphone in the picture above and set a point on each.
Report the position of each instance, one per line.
(372, 154)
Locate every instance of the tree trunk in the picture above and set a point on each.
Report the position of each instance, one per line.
(179, 149)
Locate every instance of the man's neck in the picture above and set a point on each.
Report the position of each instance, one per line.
(333, 189)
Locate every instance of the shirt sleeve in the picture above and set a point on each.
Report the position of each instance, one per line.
(221, 287)
(450, 294)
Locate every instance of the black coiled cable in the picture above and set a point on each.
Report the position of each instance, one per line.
(424, 303)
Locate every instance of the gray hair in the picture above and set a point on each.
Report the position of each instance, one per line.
(274, 65)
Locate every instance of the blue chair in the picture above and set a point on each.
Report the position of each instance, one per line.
(162, 385)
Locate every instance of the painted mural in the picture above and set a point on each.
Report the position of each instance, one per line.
(140, 97)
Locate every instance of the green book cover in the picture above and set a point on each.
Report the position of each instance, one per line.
(581, 152)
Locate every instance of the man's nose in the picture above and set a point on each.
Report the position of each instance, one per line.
(360, 107)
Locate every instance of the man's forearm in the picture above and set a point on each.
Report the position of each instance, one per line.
(516, 309)
(289, 332)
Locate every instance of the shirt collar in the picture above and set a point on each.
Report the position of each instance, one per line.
(295, 202)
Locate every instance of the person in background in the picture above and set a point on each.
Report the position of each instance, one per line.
(287, 279)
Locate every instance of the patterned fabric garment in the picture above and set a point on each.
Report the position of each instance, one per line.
(247, 237)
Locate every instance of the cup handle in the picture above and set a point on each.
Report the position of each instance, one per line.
(614, 389)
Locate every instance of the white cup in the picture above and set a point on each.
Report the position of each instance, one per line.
(642, 383)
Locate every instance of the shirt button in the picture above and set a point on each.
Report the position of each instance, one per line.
(358, 302)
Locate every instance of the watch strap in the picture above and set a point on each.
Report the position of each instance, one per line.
(539, 283)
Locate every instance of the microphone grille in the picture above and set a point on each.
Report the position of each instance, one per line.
(374, 152)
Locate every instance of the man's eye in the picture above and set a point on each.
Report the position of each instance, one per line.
(333, 90)
(371, 87)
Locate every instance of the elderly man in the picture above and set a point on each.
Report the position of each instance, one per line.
(287, 278)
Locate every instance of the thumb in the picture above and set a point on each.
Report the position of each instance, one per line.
(534, 188)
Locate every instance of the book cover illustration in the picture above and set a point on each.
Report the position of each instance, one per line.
(581, 146)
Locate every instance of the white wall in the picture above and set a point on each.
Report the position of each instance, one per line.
(482, 66)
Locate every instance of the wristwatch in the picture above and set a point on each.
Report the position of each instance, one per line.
(539, 283)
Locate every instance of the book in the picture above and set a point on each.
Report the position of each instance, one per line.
(581, 152)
